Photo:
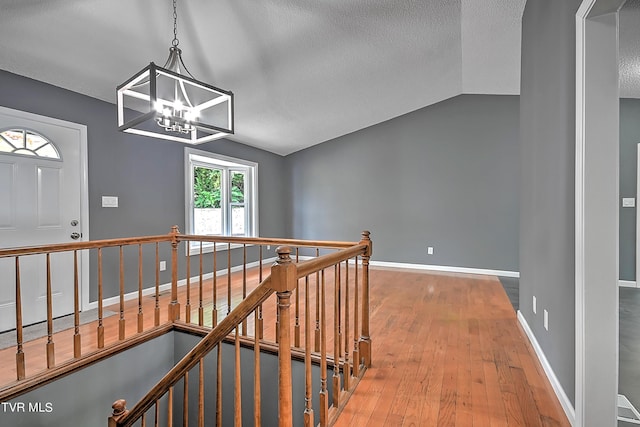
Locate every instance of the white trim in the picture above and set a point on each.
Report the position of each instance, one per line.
(627, 284)
(555, 383)
(624, 403)
(166, 286)
(637, 213)
(447, 268)
(84, 189)
(580, 349)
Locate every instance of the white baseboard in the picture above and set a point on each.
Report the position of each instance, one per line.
(167, 286)
(627, 284)
(447, 268)
(555, 383)
(444, 268)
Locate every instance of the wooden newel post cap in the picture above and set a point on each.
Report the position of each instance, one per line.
(283, 272)
(284, 254)
(119, 408)
(366, 239)
(175, 229)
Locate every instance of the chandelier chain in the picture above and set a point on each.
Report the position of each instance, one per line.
(175, 40)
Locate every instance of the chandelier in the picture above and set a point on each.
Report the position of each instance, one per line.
(169, 103)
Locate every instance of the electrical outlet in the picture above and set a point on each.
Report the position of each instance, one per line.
(535, 305)
(430, 250)
(163, 265)
(546, 319)
(268, 247)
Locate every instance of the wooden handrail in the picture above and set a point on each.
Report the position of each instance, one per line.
(224, 328)
(91, 244)
(317, 264)
(268, 241)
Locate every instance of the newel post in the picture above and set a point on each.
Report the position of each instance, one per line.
(365, 338)
(284, 278)
(174, 305)
(119, 410)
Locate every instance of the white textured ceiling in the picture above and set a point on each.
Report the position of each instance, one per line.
(302, 71)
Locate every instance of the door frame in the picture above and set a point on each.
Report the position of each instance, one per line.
(596, 213)
(637, 284)
(84, 189)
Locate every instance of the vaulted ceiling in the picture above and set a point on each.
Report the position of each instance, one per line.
(302, 71)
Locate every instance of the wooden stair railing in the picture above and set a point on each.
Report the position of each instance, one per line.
(124, 418)
(284, 281)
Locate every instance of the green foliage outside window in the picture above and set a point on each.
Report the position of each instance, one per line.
(207, 184)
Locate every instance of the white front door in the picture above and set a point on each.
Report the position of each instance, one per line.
(40, 203)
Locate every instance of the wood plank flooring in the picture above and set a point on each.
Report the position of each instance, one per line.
(447, 351)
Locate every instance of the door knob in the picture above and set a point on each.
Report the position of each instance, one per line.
(75, 236)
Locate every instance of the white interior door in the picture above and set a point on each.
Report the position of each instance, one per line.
(40, 203)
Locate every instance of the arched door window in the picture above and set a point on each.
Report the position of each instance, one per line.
(28, 143)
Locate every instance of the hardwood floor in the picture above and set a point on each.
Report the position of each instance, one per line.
(447, 351)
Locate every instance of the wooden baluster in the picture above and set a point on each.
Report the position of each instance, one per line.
(244, 285)
(336, 337)
(174, 305)
(20, 364)
(143, 422)
(77, 340)
(257, 395)
(260, 333)
(200, 306)
(156, 313)
(316, 346)
(100, 313)
(119, 408)
(214, 311)
(356, 352)
(201, 393)
(229, 278)
(296, 328)
(284, 280)
(121, 323)
(170, 407)
(346, 368)
(51, 355)
(324, 393)
(185, 400)
(338, 282)
(365, 339)
(308, 410)
(277, 322)
(187, 307)
(237, 396)
(157, 414)
(140, 314)
(219, 386)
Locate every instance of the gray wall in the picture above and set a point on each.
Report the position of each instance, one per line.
(85, 398)
(547, 209)
(445, 176)
(629, 139)
(146, 174)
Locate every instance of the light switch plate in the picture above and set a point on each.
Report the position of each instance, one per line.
(109, 201)
(628, 202)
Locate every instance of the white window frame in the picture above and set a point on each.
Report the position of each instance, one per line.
(194, 158)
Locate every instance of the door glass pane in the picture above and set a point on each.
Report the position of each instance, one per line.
(13, 141)
(207, 212)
